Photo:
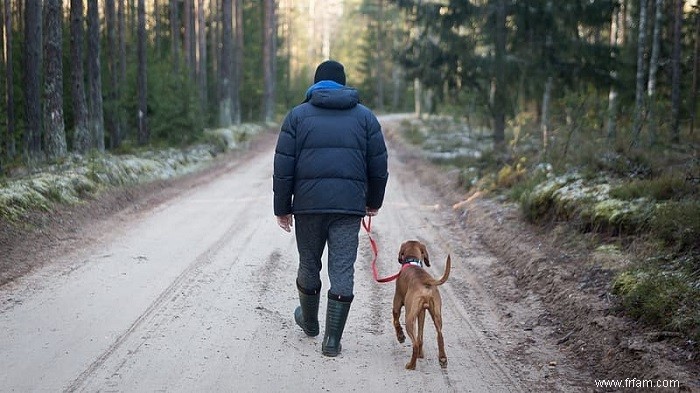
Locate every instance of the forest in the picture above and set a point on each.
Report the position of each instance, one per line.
(587, 86)
(95, 74)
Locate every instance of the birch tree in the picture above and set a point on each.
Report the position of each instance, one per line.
(615, 41)
(653, 67)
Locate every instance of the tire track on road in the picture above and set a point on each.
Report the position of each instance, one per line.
(183, 281)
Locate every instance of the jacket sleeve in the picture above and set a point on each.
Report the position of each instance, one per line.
(284, 168)
(377, 172)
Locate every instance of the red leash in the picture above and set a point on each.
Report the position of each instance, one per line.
(375, 250)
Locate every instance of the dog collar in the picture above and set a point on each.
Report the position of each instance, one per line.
(412, 261)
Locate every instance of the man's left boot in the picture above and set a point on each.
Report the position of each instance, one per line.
(306, 315)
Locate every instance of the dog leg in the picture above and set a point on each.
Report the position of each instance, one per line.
(421, 323)
(437, 320)
(396, 314)
(411, 332)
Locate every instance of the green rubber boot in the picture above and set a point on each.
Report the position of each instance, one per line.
(336, 315)
(306, 315)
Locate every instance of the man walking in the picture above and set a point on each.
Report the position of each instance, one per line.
(330, 170)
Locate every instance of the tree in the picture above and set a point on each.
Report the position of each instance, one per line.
(639, 92)
(82, 141)
(237, 72)
(10, 148)
(94, 77)
(269, 57)
(113, 96)
(188, 27)
(676, 72)
(55, 133)
(225, 65)
(202, 53)
(32, 80)
(696, 71)
(499, 82)
(653, 67)
(141, 80)
(616, 39)
(175, 35)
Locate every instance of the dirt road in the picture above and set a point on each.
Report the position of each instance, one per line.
(196, 294)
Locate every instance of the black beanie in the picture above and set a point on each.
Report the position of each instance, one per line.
(330, 70)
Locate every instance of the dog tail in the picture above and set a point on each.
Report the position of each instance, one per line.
(445, 275)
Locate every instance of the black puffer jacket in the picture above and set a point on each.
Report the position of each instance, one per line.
(330, 157)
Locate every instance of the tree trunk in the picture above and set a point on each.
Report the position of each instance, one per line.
(269, 33)
(696, 71)
(544, 124)
(10, 148)
(81, 129)
(639, 94)
(3, 66)
(225, 66)
(32, 80)
(175, 35)
(380, 56)
(202, 51)
(237, 72)
(215, 39)
(676, 73)
(499, 83)
(94, 77)
(417, 98)
(156, 28)
(187, 21)
(55, 132)
(112, 112)
(141, 81)
(121, 63)
(653, 67)
(615, 41)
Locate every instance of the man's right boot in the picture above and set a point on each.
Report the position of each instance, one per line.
(306, 315)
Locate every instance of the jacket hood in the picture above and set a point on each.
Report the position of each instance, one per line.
(332, 95)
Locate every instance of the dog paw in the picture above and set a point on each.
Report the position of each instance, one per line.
(401, 338)
(410, 366)
(443, 362)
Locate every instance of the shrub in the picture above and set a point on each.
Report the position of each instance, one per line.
(662, 188)
(678, 224)
(667, 299)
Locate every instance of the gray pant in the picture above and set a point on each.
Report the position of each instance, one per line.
(340, 232)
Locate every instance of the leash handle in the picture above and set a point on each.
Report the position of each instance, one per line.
(375, 250)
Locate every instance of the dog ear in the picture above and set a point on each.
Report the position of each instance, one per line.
(424, 253)
(402, 257)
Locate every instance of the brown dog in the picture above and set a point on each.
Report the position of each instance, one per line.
(417, 291)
